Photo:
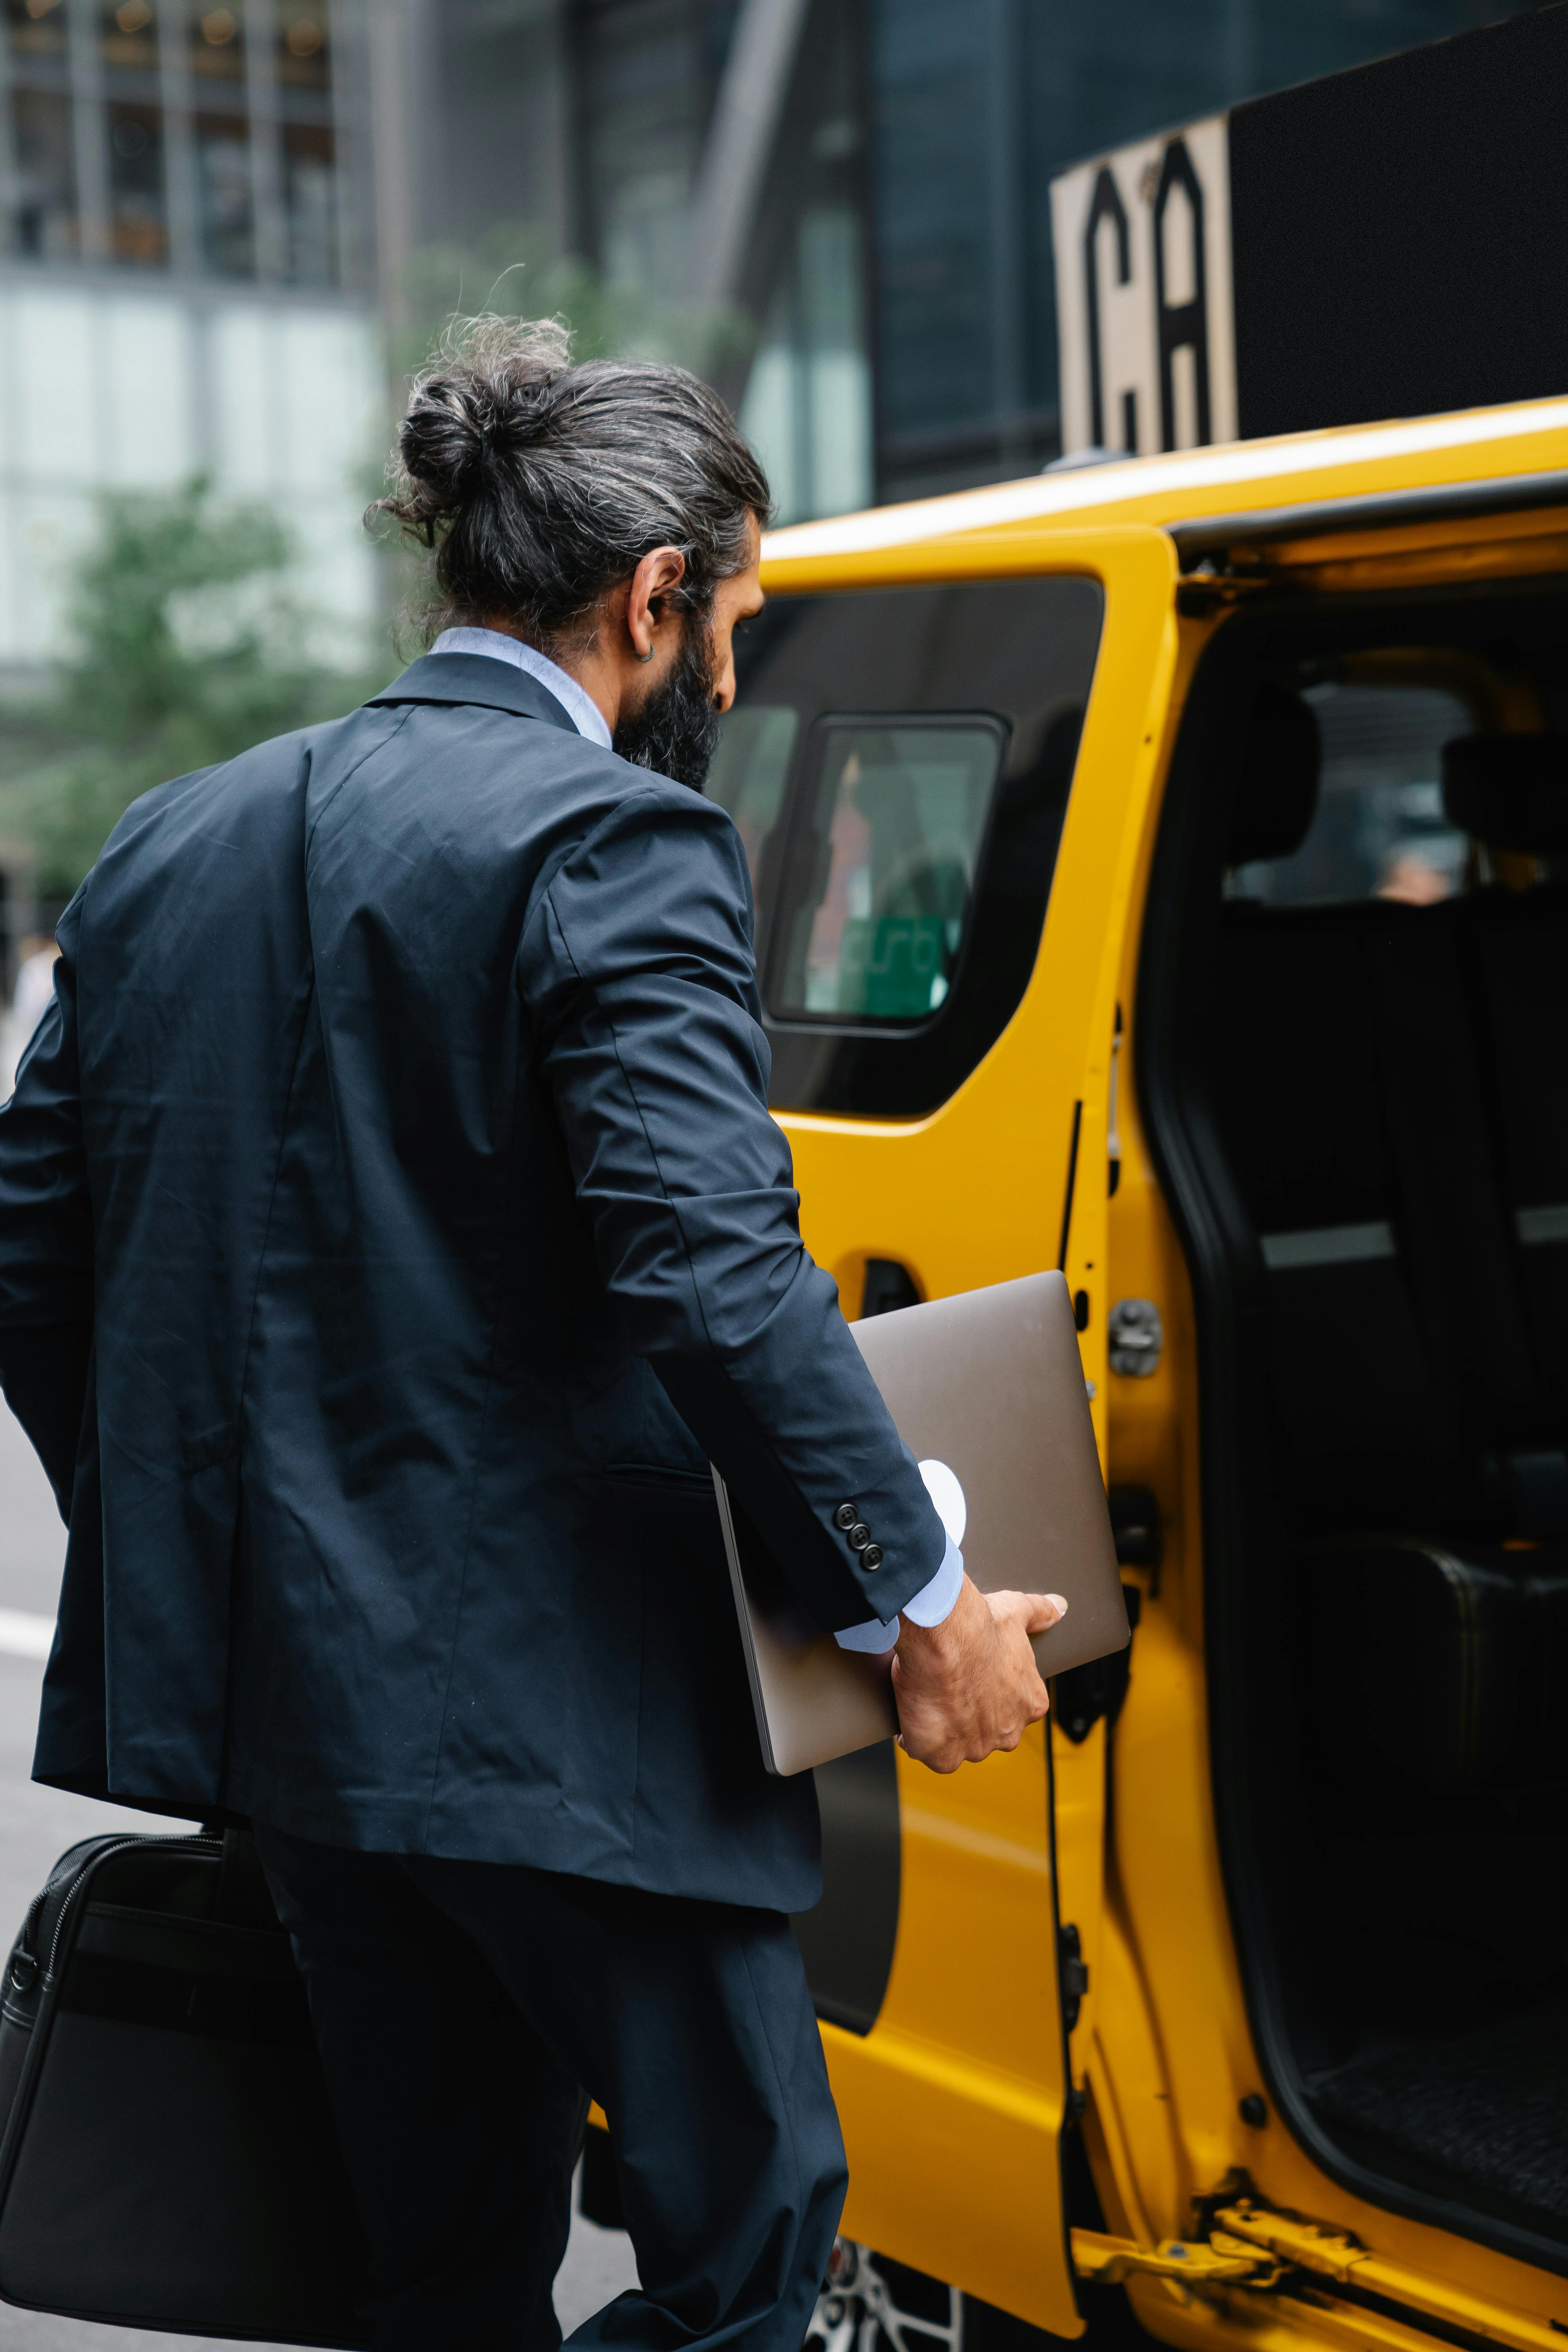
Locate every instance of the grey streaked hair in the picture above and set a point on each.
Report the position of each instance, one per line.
(540, 485)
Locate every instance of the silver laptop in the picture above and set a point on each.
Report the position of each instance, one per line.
(987, 1391)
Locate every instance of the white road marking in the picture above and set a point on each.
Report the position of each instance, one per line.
(23, 1635)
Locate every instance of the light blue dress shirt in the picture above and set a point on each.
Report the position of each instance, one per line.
(935, 1600)
(580, 708)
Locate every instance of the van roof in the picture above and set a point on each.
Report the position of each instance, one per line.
(1244, 478)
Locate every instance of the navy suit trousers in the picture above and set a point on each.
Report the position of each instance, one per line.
(464, 2011)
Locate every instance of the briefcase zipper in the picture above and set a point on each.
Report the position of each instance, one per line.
(121, 1846)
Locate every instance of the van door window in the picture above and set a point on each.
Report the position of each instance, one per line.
(749, 770)
(943, 723)
(882, 867)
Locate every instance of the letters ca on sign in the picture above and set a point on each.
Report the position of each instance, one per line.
(1144, 318)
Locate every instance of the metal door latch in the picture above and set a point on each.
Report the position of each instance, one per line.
(1134, 1337)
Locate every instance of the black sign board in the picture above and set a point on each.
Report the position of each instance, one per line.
(1392, 241)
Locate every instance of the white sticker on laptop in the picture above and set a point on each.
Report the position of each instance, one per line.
(943, 1486)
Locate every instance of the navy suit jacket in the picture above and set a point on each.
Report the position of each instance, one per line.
(391, 1226)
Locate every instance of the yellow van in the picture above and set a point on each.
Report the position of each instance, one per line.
(1162, 871)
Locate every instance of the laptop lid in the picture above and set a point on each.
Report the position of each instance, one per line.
(986, 1389)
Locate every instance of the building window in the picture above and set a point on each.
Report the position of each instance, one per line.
(807, 409)
(304, 47)
(130, 37)
(808, 406)
(310, 204)
(138, 223)
(228, 208)
(38, 28)
(647, 89)
(44, 217)
(217, 46)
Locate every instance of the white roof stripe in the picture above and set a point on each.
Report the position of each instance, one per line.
(1050, 497)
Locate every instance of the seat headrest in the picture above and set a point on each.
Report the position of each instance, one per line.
(1277, 797)
(1509, 791)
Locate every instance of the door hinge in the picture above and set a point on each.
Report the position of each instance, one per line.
(1106, 2262)
(1249, 2245)
(1319, 2250)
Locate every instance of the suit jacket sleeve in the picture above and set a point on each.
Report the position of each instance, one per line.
(45, 1234)
(637, 970)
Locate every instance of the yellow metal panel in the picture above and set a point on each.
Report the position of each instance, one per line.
(1180, 1993)
(954, 2104)
(1301, 468)
(1327, 2254)
(953, 2107)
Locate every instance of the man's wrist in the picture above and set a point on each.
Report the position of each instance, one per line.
(947, 1637)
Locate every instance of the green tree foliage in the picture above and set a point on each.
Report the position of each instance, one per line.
(187, 640)
(185, 649)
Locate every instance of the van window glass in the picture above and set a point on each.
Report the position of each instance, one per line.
(750, 770)
(1379, 831)
(890, 830)
(958, 707)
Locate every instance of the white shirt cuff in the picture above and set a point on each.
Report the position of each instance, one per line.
(929, 1606)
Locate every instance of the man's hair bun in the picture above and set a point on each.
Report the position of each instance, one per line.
(490, 386)
(540, 485)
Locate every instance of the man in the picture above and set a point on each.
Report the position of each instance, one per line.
(392, 1228)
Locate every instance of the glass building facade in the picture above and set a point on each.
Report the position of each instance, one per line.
(896, 257)
(161, 135)
(186, 257)
(974, 110)
(203, 204)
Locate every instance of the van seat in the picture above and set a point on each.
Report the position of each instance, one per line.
(1416, 1443)
(1359, 1117)
(1383, 1084)
(1365, 1421)
(1461, 1656)
(1511, 793)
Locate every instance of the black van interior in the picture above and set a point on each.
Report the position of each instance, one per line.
(1353, 1055)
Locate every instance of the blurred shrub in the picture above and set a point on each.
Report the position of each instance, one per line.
(186, 647)
(188, 641)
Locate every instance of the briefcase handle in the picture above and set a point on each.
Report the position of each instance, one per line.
(244, 1898)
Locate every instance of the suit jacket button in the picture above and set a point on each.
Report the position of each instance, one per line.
(872, 1556)
(846, 1516)
(860, 1536)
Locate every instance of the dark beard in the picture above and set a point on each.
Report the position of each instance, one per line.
(675, 730)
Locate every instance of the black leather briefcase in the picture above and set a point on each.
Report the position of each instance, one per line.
(167, 2155)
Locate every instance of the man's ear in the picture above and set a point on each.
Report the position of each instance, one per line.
(660, 571)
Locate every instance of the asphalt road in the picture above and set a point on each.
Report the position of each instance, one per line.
(37, 1824)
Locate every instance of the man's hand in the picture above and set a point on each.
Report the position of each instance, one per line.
(970, 1685)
